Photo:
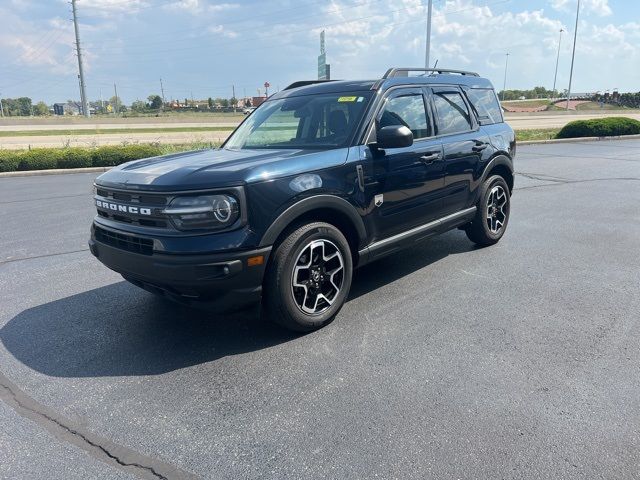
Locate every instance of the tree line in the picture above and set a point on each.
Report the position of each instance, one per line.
(23, 106)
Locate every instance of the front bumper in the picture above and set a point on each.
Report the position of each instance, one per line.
(223, 279)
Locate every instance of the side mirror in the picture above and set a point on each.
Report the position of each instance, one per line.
(394, 136)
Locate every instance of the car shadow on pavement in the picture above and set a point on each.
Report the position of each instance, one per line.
(120, 330)
(388, 269)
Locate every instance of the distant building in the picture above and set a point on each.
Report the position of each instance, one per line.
(58, 108)
(324, 70)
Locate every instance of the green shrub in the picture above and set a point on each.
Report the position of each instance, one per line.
(40, 159)
(8, 161)
(600, 127)
(110, 156)
(75, 158)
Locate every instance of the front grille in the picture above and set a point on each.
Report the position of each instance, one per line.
(143, 198)
(122, 241)
(152, 202)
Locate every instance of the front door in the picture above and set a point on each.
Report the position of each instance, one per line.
(408, 181)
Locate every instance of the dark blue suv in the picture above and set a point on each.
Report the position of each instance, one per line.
(321, 178)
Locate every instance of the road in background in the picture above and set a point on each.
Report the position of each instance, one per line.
(518, 121)
(519, 360)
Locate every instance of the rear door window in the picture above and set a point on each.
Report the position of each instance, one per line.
(451, 112)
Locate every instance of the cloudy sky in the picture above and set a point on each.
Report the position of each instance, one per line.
(203, 47)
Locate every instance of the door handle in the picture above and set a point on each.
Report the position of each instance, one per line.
(479, 146)
(429, 158)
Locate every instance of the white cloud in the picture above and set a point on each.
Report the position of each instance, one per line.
(469, 35)
(107, 8)
(221, 7)
(199, 6)
(221, 30)
(599, 7)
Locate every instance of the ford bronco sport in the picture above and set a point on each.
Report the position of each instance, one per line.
(325, 176)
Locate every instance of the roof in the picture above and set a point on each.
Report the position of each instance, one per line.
(339, 86)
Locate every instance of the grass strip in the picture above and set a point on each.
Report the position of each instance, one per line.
(106, 131)
(537, 134)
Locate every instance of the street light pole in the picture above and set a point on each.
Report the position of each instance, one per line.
(555, 76)
(573, 55)
(83, 93)
(506, 65)
(428, 45)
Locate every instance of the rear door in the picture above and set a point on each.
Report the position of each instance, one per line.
(409, 180)
(463, 144)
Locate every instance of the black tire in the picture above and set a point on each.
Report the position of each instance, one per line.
(283, 302)
(491, 213)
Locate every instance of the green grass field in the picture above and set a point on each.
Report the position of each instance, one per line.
(596, 106)
(528, 103)
(98, 131)
(536, 134)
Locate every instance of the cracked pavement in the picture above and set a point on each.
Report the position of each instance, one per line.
(515, 361)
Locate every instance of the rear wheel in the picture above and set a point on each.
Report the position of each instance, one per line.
(492, 215)
(309, 277)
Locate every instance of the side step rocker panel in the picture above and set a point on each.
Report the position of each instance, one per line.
(402, 240)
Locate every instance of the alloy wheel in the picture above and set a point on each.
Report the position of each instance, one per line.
(318, 276)
(497, 209)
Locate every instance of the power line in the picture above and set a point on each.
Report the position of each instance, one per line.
(210, 88)
(261, 38)
(189, 39)
(165, 34)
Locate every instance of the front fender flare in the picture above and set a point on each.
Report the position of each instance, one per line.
(312, 203)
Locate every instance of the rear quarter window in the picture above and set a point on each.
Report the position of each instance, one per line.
(486, 103)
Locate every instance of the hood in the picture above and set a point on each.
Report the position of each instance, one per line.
(202, 169)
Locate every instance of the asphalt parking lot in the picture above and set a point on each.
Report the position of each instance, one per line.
(520, 360)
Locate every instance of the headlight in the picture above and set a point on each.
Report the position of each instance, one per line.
(206, 212)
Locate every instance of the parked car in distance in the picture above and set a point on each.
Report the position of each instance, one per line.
(323, 177)
(248, 110)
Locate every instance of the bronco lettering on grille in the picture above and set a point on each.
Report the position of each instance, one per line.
(123, 208)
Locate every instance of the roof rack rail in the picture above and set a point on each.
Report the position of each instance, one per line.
(303, 83)
(404, 72)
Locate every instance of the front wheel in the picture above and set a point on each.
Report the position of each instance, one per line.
(309, 277)
(492, 215)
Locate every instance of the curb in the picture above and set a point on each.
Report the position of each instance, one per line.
(576, 140)
(58, 171)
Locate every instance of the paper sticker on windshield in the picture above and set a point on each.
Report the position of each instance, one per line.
(347, 99)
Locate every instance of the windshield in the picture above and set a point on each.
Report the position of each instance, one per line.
(310, 121)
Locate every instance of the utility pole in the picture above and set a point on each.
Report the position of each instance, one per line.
(1, 107)
(115, 90)
(162, 90)
(506, 64)
(81, 109)
(428, 45)
(573, 55)
(83, 93)
(233, 97)
(555, 76)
